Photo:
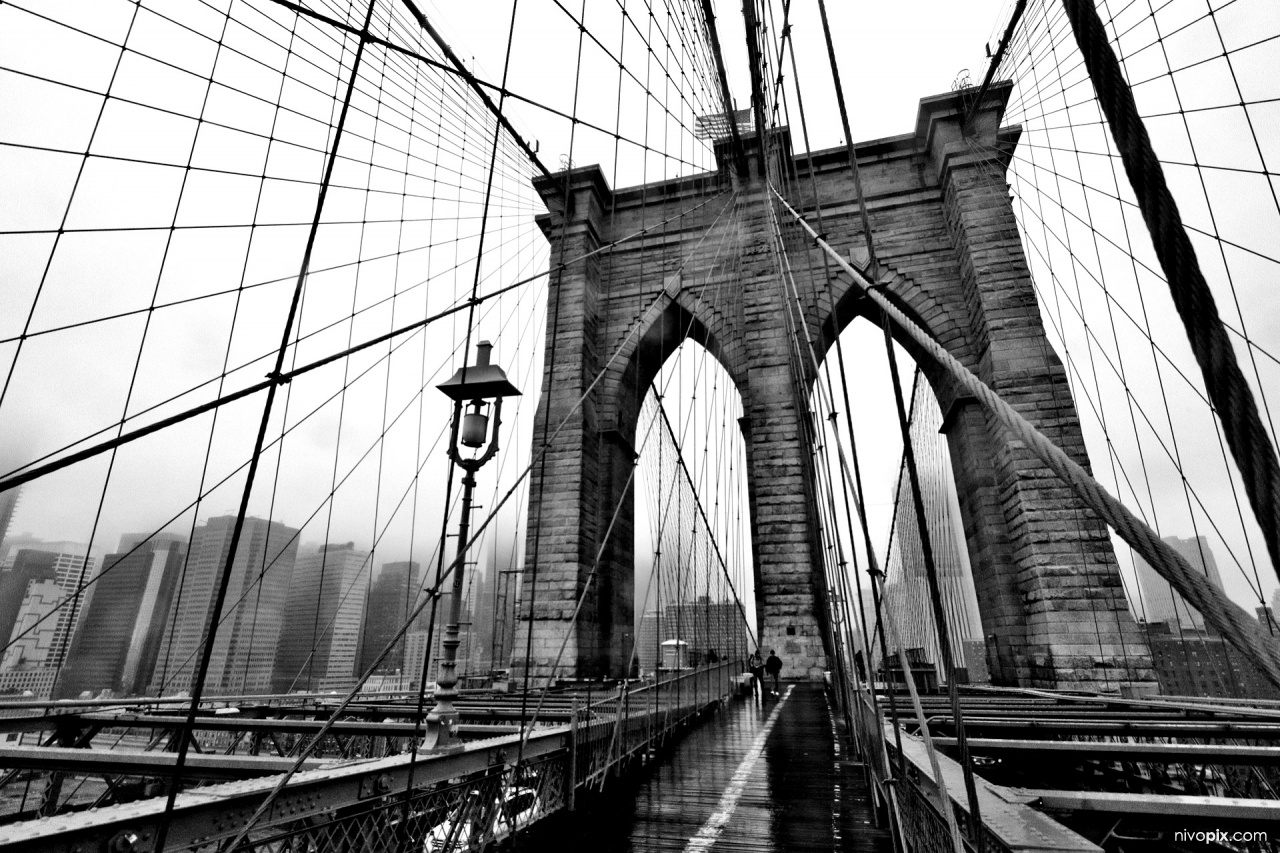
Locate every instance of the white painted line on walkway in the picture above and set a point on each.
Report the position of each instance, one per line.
(710, 832)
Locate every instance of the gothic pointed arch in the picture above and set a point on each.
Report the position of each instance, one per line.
(950, 256)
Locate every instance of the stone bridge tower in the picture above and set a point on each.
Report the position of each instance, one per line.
(1049, 591)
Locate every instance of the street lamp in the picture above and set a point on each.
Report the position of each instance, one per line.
(475, 386)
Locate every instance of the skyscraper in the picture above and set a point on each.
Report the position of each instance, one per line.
(72, 569)
(415, 648)
(391, 599)
(647, 639)
(120, 635)
(416, 643)
(35, 631)
(15, 542)
(320, 644)
(1160, 601)
(44, 587)
(480, 655)
(8, 503)
(704, 625)
(28, 565)
(66, 565)
(244, 651)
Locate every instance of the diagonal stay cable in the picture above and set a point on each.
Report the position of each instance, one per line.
(204, 493)
(1233, 399)
(641, 322)
(327, 501)
(282, 377)
(663, 298)
(662, 411)
(1242, 630)
(187, 731)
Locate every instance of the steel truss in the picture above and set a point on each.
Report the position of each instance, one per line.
(378, 796)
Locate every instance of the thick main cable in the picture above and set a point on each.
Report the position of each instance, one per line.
(1233, 400)
(1240, 629)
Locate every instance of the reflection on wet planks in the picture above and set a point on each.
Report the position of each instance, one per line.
(762, 776)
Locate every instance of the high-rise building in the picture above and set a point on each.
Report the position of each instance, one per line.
(704, 625)
(244, 652)
(1160, 601)
(40, 602)
(1196, 662)
(416, 643)
(505, 600)
(707, 626)
(29, 565)
(35, 633)
(43, 584)
(72, 568)
(415, 648)
(320, 645)
(906, 586)
(8, 503)
(391, 599)
(648, 638)
(121, 632)
(480, 651)
(15, 542)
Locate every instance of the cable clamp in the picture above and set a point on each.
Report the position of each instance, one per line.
(278, 378)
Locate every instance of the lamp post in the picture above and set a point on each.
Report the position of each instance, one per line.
(473, 385)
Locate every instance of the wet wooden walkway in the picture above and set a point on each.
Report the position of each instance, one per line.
(763, 775)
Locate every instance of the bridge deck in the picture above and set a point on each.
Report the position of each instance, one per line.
(763, 776)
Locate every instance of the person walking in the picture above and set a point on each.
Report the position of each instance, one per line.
(756, 664)
(773, 666)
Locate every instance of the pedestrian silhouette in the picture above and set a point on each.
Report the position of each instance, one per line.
(773, 666)
(756, 664)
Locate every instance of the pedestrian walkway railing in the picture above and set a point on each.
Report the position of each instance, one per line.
(422, 802)
(906, 790)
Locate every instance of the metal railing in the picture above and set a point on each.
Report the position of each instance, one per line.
(428, 803)
(904, 776)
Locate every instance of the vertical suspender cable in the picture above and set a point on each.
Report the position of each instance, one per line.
(935, 592)
(1240, 628)
(939, 616)
(848, 138)
(206, 654)
(844, 388)
(1254, 454)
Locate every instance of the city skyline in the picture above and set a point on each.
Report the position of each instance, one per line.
(135, 634)
(51, 639)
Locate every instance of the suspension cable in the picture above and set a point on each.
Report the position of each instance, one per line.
(1241, 630)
